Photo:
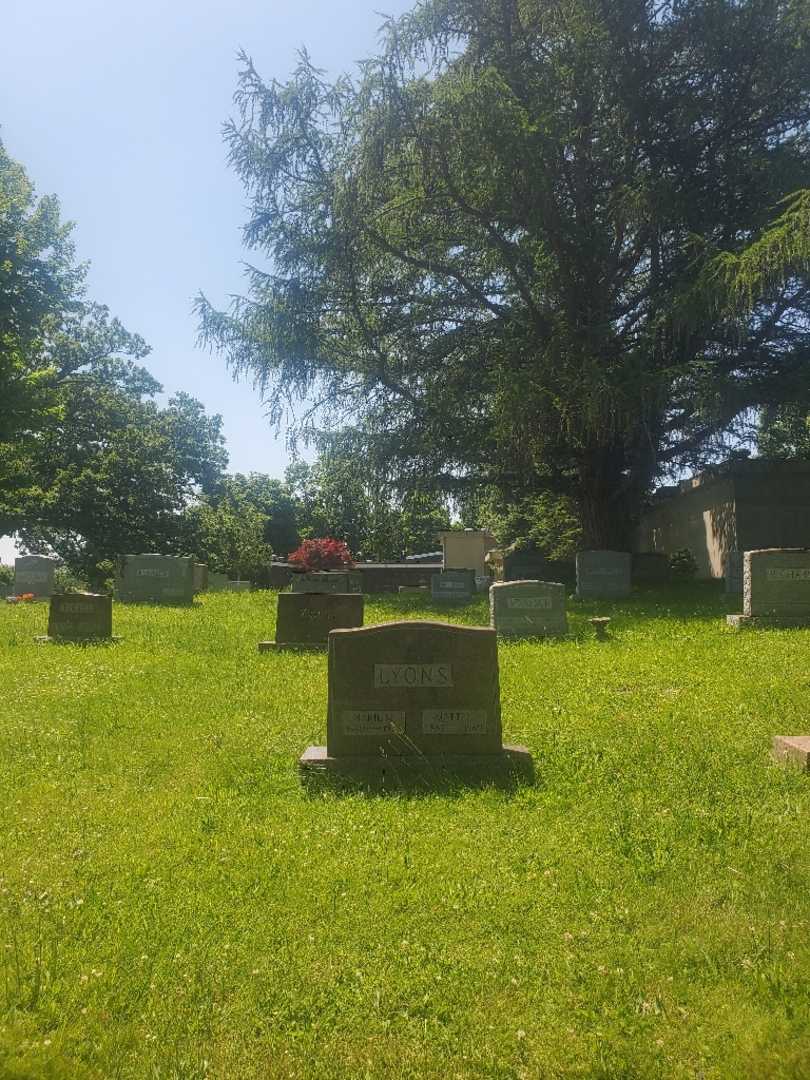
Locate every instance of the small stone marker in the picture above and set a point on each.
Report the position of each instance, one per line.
(600, 624)
(80, 616)
(414, 698)
(167, 579)
(603, 575)
(200, 577)
(792, 750)
(303, 620)
(528, 609)
(776, 589)
(733, 573)
(238, 586)
(34, 574)
(455, 586)
(327, 581)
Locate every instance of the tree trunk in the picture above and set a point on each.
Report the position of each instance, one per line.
(606, 507)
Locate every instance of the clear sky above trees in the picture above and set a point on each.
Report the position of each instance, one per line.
(117, 109)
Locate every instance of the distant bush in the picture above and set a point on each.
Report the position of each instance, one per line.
(682, 565)
(322, 554)
(65, 580)
(6, 574)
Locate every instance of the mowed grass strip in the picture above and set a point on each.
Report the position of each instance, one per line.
(172, 904)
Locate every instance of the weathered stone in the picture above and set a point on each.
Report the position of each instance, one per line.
(34, 574)
(200, 577)
(217, 582)
(456, 586)
(80, 617)
(792, 750)
(733, 573)
(413, 693)
(528, 609)
(776, 589)
(603, 575)
(303, 620)
(327, 581)
(166, 579)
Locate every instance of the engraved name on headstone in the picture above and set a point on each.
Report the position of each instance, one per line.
(776, 588)
(167, 579)
(80, 617)
(528, 609)
(305, 619)
(603, 575)
(34, 574)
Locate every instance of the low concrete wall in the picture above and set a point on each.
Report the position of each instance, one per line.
(376, 577)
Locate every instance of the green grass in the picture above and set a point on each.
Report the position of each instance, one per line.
(172, 904)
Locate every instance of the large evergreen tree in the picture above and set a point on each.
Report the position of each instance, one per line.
(487, 247)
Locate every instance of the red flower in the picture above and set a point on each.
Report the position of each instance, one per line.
(324, 554)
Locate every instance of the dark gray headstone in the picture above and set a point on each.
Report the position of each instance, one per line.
(456, 586)
(528, 609)
(217, 582)
(413, 696)
(305, 619)
(733, 573)
(776, 588)
(327, 581)
(34, 574)
(80, 617)
(200, 577)
(167, 579)
(603, 575)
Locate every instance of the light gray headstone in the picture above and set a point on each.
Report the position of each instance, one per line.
(528, 609)
(34, 574)
(776, 582)
(603, 575)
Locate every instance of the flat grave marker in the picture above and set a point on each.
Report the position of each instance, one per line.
(414, 698)
(528, 609)
(776, 589)
(303, 620)
(603, 575)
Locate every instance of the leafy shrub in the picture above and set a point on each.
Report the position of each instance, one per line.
(325, 554)
(682, 565)
(6, 574)
(64, 580)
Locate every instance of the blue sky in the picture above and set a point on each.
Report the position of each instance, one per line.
(117, 109)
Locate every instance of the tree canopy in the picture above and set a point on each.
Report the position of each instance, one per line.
(489, 250)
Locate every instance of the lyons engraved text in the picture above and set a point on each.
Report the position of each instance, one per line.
(412, 675)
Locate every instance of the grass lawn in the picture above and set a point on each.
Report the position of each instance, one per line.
(174, 905)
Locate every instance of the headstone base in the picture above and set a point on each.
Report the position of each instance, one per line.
(765, 622)
(514, 763)
(45, 639)
(792, 750)
(299, 646)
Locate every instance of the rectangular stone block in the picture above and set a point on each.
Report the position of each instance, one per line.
(34, 574)
(603, 575)
(161, 579)
(80, 617)
(733, 573)
(792, 750)
(456, 586)
(305, 619)
(217, 582)
(413, 688)
(528, 609)
(328, 581)
(200, 577)
(776, 583)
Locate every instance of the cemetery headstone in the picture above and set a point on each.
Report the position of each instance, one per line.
(166, 579)
(603, 575)
(200, 577)
(238, 586)
(303, 620)
(733, 573)
(217, 582)
(327, 581)
(456, 586)
(414, 698)
(792, 750)
(80, 616)
(528, 609)
(34, 574)
(776, 588)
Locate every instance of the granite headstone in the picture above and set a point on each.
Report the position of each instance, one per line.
(455, 586)
(303, 620)
(603, 575)
(167, 579)
(776, 588)
(528, 609)
(34, 574)
(80, 616)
